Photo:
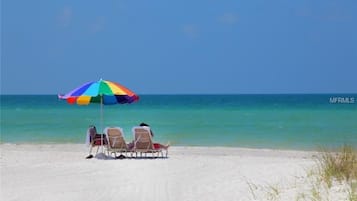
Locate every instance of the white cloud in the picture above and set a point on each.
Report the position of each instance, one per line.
(65, 17)
(228, 18)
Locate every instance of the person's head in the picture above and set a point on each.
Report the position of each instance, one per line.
(92, 130)
(92, 127)
(143, 124)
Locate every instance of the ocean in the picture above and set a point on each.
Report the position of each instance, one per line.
(296, 121)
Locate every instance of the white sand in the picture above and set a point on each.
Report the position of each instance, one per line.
(61, 172)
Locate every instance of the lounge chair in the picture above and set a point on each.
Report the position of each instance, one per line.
(116, 141)
(143, 142)
(94, 140)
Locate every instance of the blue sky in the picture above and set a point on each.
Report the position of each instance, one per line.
(180, 47)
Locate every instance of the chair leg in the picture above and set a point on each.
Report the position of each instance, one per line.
(90, 150)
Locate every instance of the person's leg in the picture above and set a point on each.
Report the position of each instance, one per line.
(161, 146)
(165, 146)
(90, 152)
(130, 145)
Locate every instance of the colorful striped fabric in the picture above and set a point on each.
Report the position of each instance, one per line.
(92, 92)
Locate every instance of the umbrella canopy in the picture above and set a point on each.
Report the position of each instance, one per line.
(103, 92)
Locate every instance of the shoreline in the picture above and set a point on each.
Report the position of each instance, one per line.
(210, 149)
(313, 150)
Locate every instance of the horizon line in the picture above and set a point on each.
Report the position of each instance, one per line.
(298, 93)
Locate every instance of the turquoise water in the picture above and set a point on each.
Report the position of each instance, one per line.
(256, 121)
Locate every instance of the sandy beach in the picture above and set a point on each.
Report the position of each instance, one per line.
(60, 172)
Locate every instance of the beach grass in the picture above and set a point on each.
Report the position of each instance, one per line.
(340, 165)
(334, 176)
(273, 192)
(334, 168)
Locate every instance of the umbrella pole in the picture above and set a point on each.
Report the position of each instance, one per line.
(101, 121)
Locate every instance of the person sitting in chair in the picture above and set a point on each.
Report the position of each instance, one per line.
(94, 139)
(156, 145)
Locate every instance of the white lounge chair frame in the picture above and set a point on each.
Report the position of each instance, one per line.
(143, 142)
(116, 141)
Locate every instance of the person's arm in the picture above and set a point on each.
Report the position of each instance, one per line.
(152, 133)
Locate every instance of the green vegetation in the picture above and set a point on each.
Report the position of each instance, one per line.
(340, 165)
(337, 166)
(273, 192)
(335, 172)
(252, 189)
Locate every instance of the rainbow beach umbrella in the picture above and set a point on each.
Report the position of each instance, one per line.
(103, 92)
